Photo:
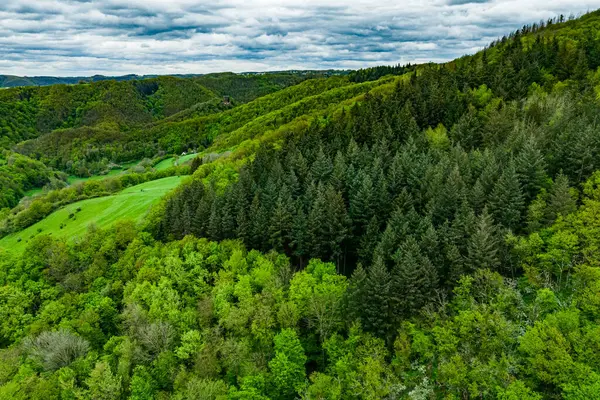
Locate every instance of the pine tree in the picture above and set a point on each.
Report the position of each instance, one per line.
(186, 219)
(214, 221)
(477, 198)
(453, 194)
(506, 201)
(455, 265)
(255, 230)
(560, 200)
(483, 245)
(336, 223)
(376, 306)
(368, 241)
(355, 294)
(462, 227)
(531, 169)
(405, 125)
(413, 280)
(299, 240)
(243, 226)
(338, 177)
(362, 201)
(176, 227)
(228, 214)
(202, 214)
(280, 226)
(395, 176)
(322, 167)
(430, 243)
(317, 231)
(381, 199)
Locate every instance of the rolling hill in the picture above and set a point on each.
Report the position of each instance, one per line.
(420, 232)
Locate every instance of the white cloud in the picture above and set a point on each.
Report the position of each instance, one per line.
(70, 37)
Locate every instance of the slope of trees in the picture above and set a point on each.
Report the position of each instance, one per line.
(19, 174)
(118, 315)
(429, 235)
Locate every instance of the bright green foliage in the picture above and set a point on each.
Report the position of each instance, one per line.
(287, 368)
(467, 190)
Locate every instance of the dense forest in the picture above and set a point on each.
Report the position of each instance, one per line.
(404, 232)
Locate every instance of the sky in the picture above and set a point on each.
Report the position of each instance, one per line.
(117, 37)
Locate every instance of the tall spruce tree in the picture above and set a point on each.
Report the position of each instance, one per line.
(483, 245)
(355, 294)
(413, 280)
(560, 200)
(531, 169)
(376, 306)
(507, 202)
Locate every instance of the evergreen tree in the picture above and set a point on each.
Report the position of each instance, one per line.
(531, 169)
(186, 219)
(376, 306)
(336, 223)
(300, 234)
(322, 167)
(355, 294)
(507, 201)
(368, 241)
(214, 221)
(280, 227)
(362, 201)
(483, 245)
(560, 200)
(412, 281)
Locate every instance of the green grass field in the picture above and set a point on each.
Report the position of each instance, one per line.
(132, 203)
(173, 161)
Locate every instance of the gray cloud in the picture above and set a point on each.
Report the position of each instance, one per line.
(70, 37)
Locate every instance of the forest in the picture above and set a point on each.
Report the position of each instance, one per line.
(400, 232)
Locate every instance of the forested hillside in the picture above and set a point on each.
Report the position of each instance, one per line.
(409, 232)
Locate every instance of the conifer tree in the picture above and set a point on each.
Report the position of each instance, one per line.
(381, 199)
(413, 280)
(355, 294)
(560, 200)
(317, 229)
(214, 221)
(531, 169)
(175, 220)
(186, 219)
(376, 305)
(322, 167)
(338, 177)
(368, 241)
(477, 197)
(362, 201)
(506, 202)
(280, 226)
(300, 232)
(202, 214)
(227, 212)
(336, 223)
(483, 245)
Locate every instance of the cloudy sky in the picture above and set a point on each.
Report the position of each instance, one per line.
(114, 37)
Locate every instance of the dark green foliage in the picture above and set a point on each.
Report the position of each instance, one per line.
(468, 189)
(376, 307)
(413, 280)
(507, 200)
(483, 246)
